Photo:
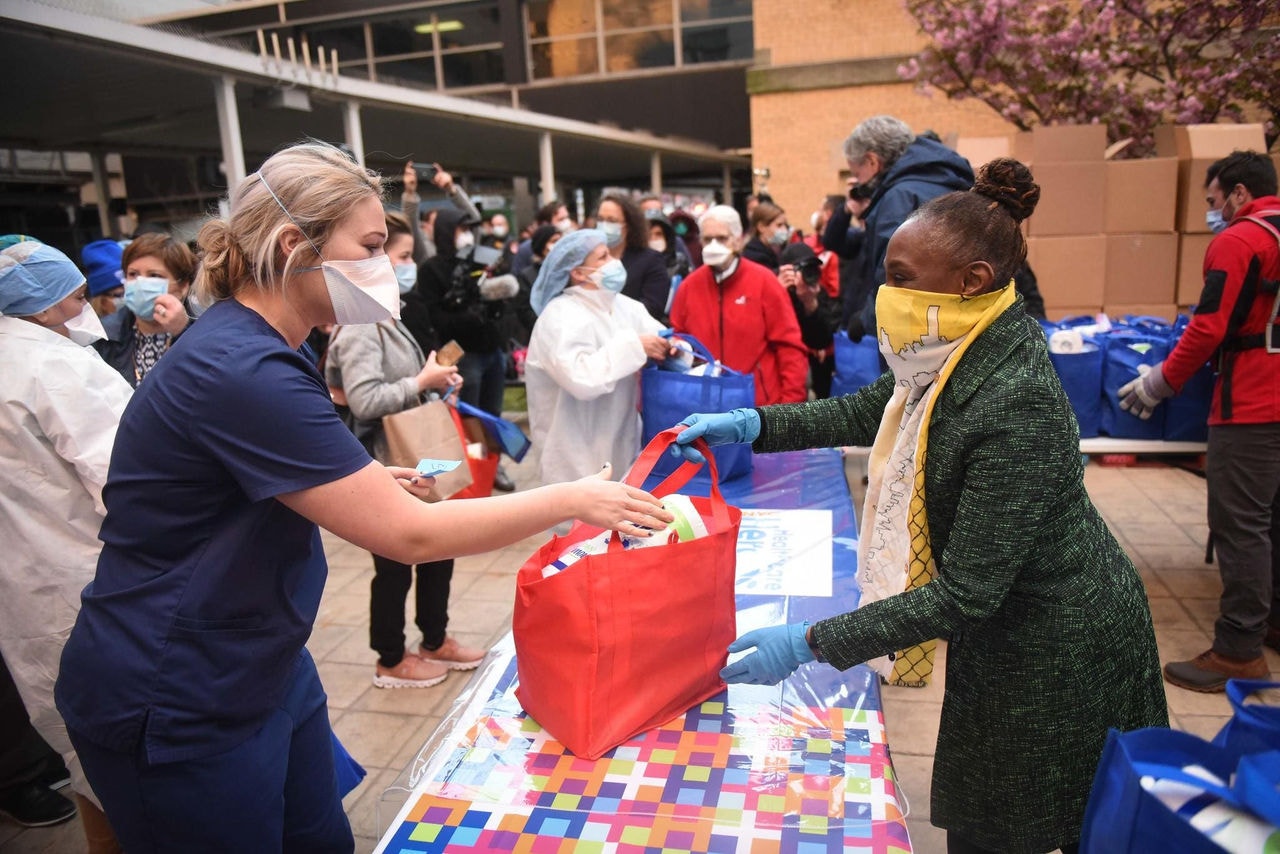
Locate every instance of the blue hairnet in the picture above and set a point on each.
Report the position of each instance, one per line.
(567, 253)
(34, 277)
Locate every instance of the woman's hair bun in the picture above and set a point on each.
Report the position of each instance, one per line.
(1009, 184)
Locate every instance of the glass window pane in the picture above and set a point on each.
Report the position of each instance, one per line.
(718, 43)
(710, 10)
(550, 18)
(411, 72)
(398, 35)
(468, 26)
(474, 68)
(568, 58)
(624, 14)
(639, 50)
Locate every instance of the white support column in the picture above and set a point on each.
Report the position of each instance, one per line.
(224, 91)
(351, 127)
(102, 187)
(655, 173)
(547, 169)
(727, 181)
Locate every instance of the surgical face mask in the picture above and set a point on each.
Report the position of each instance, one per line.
(464, 241)
(658, 245)
(682, 228)
(406, 276)
(1215, 220)
(501, 231)
(611, 276)
(140, 295)
(363, 291)
(117, 304)
(780, 235)
(612, 233)
(716, 254)
(564, 226)
(85, 328)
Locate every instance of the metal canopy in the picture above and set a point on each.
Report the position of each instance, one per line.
(90, 84)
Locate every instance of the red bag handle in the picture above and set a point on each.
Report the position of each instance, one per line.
(653, 452)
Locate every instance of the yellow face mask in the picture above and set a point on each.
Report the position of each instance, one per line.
(911, 322)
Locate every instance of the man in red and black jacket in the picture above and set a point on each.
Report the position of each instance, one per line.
(1236, 321)
(741, 312)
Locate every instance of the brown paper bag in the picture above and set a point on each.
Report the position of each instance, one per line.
(428, 431)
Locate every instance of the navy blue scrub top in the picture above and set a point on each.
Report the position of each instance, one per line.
(207, 587)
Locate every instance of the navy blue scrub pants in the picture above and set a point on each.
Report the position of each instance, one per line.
(276, 792)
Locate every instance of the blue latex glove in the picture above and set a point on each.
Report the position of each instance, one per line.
(779, 651)
(666, 333)
(724, 428)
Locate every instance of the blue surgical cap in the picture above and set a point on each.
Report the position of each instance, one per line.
(34, 277)
(567, 253)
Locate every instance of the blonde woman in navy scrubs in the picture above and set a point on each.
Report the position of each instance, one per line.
(185, 685)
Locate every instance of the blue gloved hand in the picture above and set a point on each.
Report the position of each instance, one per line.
(666, 333)
(723, 428)
(779, 651)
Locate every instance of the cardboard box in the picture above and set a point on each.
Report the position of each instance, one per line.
(1056, 314)
(983, 149)
(1070, 271)
(1073, 199)
(1023, 147)
(1068, 143)
(1164, 311)
(1191, 204)
(1141, 195)
(1200, 142)
(1191, 249)
(1141, 268)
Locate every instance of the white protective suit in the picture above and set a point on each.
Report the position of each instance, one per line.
(59, 408)
(582, 378)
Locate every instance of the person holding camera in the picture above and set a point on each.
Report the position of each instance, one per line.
(424, 245)
(466, 304)
(816, 312)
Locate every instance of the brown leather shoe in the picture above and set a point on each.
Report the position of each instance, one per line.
(1208, 672)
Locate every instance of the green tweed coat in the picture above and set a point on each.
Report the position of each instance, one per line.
(1050, 637)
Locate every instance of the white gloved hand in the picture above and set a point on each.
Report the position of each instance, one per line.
(1141, 396)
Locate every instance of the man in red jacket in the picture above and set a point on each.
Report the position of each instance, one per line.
(741, 312)
(1236, 319)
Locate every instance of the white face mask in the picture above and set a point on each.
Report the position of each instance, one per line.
(500, 231)
(564, 226)
(658, 245)
(716, 254)
(85, 328)
(612, 233)
(362, 291)
(464, 241)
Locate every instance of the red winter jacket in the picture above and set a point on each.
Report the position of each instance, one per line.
(1244, 250)
(747, 322)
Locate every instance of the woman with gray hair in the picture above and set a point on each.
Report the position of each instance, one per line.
(582, 373)
(906, 171)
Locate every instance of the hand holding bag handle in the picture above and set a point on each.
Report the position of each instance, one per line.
(655, 451)
(702, 352)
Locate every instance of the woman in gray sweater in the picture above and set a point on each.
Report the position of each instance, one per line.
(380, 370)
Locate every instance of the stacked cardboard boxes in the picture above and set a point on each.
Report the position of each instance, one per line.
(1196, 147)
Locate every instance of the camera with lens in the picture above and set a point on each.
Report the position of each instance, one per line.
(810, 270)
(862, 192)
(472, 284)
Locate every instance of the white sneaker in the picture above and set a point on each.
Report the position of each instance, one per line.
(411, 672)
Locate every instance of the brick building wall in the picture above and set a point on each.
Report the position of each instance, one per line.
(821, 67)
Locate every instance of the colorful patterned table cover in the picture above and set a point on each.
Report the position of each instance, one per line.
(801, 767)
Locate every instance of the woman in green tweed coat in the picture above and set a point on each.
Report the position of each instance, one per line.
(1050, 636)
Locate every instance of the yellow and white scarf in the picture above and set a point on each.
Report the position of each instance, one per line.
(922, 336)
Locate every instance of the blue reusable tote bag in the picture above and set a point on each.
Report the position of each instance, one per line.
(668, 397)
(1122, 817)
(1081, 377)
(1126, 349)
(510, 437)
(857, 363)
(1186, 416)
(1254, 727)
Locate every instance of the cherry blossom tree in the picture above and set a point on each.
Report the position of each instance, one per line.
(1130, 64)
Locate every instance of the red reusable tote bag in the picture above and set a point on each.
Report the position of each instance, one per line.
(621, 642)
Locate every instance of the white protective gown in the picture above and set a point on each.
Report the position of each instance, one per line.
(59, 408)
(582, 378)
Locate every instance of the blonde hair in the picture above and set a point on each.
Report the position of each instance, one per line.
(315, 183)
